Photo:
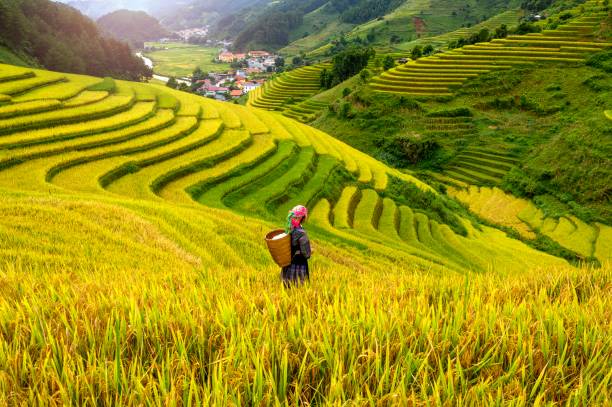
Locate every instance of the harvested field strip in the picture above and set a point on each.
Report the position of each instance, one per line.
(107, 107)
(139, 112)
(477, 171)
(212, 190)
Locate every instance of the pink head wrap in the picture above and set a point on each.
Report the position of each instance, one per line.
(295, 217)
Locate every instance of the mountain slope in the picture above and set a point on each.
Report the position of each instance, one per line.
(134, 27)
(408, 21)
(58, 37)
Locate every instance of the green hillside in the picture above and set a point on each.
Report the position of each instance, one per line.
(437, 75)
(397, 30)
(526, 113)
(55, 36)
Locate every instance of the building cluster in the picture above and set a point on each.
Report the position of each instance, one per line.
(185, 35)
(256, 61)
(226, 86)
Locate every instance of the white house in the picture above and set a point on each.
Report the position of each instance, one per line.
(249, 86)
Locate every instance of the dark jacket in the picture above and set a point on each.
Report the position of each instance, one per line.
(300, 246)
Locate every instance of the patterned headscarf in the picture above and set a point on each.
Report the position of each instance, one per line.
(295, 217)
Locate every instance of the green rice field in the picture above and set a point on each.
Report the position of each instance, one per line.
(180, 59)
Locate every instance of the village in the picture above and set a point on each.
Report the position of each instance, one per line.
(249, 71)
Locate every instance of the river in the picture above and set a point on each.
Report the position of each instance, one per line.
(148, 62)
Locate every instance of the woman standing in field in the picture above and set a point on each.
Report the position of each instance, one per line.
(297, 272)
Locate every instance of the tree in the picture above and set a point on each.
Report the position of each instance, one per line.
(417, 52)
(325, 79)
(279, 62)
(371, 37)
(349, 62)
(388, 62)
(172, 83)
(297, 60)
(199, 75)
(428, 50)
(501, 31)
(364, 75)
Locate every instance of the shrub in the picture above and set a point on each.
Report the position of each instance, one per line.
(457, 112)
(388, 63)
(602, 60)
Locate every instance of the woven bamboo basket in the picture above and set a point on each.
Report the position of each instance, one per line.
(280, 249)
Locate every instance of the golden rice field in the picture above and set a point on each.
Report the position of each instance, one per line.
(133, 270)
(522, 215)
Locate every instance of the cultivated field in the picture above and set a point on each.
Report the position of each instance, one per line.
(133, 269)
(290, 91)
(441, 74)
(180, 59)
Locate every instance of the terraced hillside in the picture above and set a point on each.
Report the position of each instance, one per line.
(480, 166)
(522, 215)
(288, 89)
(134, 273)
(148, 142)
(440, 74)
(509, 18)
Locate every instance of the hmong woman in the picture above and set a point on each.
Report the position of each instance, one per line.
(297, 271)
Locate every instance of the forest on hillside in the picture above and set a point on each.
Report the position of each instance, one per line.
(135, 27)
(60, 38)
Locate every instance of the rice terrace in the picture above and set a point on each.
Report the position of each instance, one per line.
(453, 178)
